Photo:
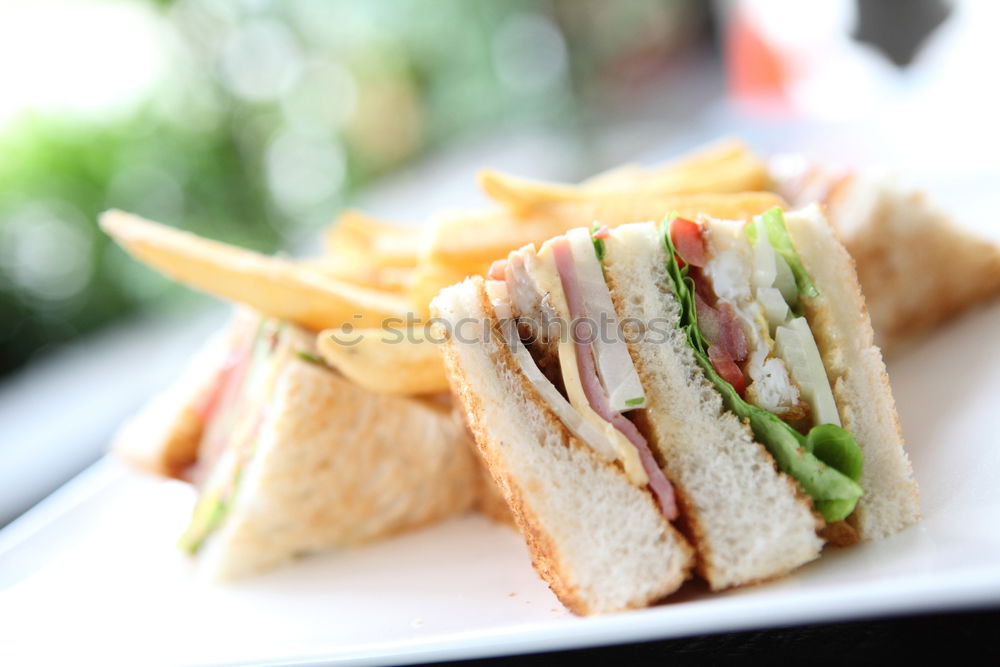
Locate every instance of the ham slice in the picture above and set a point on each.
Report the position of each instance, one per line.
(709, 321)
(659, 485)
(216, 404)
(727, 341)
(733, 338)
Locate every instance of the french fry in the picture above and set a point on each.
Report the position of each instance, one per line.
(742, 173)
(274, 286)
(432, 276)
(359, 238)
(352, 270)
(463, 244)
(621, 175)
(705, 157)
(460, 244)
(694, 166)
(388, 361)
(724, 167)
(522, 196)
(613, 209)
(468, 240)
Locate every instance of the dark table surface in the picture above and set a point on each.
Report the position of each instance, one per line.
(966, 638)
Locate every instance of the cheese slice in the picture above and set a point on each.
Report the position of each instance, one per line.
(541, 267)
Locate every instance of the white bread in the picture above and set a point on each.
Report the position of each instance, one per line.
(917, 269)
(750, 521)
(489, 501)
(162, 438)
(840, 323)
(337, 466)
(600, 542)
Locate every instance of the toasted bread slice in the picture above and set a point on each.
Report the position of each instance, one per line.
(336, 467)
(749, 521)
(841, 326)
(333, 465)
(600, 542)
(897, 237)
(162, 438)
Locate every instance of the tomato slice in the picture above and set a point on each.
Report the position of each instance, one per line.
(686, 237)
(231, 373)
(727, 368)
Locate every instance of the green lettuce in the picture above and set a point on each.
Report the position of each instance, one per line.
(598, 243)
(310, 357)
(827, 462)
(772, 223)
(209, 512)
(214, 503)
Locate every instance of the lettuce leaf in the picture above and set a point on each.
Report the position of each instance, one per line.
(826, 463)
(310, 357)
(598, 243)
(772, 223)
(214, 502)
(209, 512)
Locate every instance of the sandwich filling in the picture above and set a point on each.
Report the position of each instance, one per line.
(588, 379)
(233, 413)
(740, 290)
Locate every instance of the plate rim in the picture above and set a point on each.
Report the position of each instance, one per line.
(944, 592)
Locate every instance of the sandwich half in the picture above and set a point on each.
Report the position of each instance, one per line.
(290, 458)
(723, 371)
(896, 234)
(163, 437)
(602, 541)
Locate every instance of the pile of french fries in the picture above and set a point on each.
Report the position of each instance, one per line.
(367, 295)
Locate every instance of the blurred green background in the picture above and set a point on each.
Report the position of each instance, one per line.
(255, 121)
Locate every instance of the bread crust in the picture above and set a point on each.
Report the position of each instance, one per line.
(337, 467)
(693, 528)
(749, 521)
(489, 499)
(163, 437)
(896, 237)
(841, 325)
(546, 553)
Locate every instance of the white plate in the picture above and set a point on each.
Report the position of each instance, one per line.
(93, 573)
